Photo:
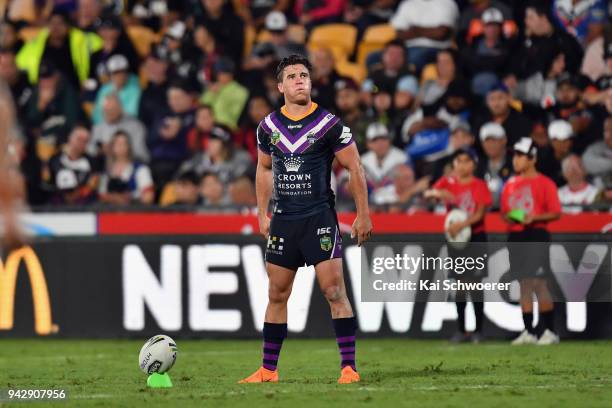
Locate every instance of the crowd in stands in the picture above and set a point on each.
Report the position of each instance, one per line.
(143, 102)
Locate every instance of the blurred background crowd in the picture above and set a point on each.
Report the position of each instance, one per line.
(156, 102)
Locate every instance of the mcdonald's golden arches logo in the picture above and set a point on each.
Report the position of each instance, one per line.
(40, 294)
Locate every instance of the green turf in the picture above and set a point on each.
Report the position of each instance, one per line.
(395, 373)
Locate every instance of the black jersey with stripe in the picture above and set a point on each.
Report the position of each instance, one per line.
(302, 154)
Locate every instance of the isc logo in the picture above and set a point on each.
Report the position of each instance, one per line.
(324, 230)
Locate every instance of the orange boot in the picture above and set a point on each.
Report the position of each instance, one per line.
(261, 375)
(348, 375)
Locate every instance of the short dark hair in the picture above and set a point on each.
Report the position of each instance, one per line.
(293, 59)
(541, 8)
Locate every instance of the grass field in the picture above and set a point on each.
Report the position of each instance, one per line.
(394, 373)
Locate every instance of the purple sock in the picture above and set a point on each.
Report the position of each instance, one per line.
(273, 334)
(345, 337)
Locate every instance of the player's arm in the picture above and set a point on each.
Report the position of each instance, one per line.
(263, 190)
(553, 206)
(348, 157)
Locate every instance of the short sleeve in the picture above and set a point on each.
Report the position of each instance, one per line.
(552, 197)
(263, 140)
(341, 137)
(441, 184)
(400, 20)
(483, 195)
(144, 180)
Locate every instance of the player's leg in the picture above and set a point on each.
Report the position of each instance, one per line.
(331, 281)
(546, 312)
(275, 325)
(460, 303)
(527, 291)
(477, 298)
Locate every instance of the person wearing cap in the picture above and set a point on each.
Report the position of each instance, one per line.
(52, 111)
(498, 109)
(496, 165)
(577, 192)
(226, 96)
(529, 201)
(220, 157)
(350, 112)
(460, 137)
(114, 41)
(277, 47)
(487, 57)
(561, 136)
(462, 190)
(471, 25)
(125, 84)
(381, 156)
(68, 47)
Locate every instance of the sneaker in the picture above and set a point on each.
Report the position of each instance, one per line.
(260, 376)
(547, 338)
(525, 338)
(348, 375)
(477, 338)
(460, 337)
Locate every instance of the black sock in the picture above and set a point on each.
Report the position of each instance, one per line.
(548, 320)
(273, 335)
(345, 337)
(461, 316)
(528, 320)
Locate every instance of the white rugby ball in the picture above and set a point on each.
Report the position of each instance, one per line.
(158, 355)
(460, 240)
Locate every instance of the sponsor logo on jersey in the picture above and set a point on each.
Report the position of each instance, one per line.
(275, 245)
(292, 164)
(294, 126)
(326, 243)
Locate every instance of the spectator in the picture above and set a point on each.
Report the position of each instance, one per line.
(88, 14)
(154, 99)
(350, 112)
(226, 96)
(167, 139)
(69, 48)
(242, 193)
(197, 138)
(569, 106)
(17, 80)
(126, 180)
(597, 158)
(277, 47)
(426, 26)
(213, 192)
(179, 51)
(254, 12)
(114, 42)
(22, 158)
(381, 157)
(456, 104)
(404, 105)
(496, 166)
(363, 14)
(381, 109)
(186, 189)
(220, 157)
(577, 192)
(487, 57)
(549, 160)
(499, 110)
(584, 19)
(123, 83)
(74, 175)
(446, 72)
(9, 37)
(207, 53)
(542, 44)
(311, 13)
(114, 120)
(156, 15)
(258, 108)
(538, 90)
(404, 194)
(324, 78)
(460, 137)
(471, 24)
(225, 26)
(52, 111)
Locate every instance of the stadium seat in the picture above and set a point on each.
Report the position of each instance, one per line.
(337, 51)
(429, 73)
(29, 33)
(374, 39)
(355, 71)
(342, 36)
(142, 38)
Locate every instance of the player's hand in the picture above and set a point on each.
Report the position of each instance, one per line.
(264, 225)
(528, 219)
(454, 228)
(361, 229)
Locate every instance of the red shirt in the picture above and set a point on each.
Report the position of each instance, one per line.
(534, 195)
(467, 196)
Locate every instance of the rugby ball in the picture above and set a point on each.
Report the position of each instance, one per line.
(157, 355)
(460, 240)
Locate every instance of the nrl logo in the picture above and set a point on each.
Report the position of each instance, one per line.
(275, 137)
(326, 243)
